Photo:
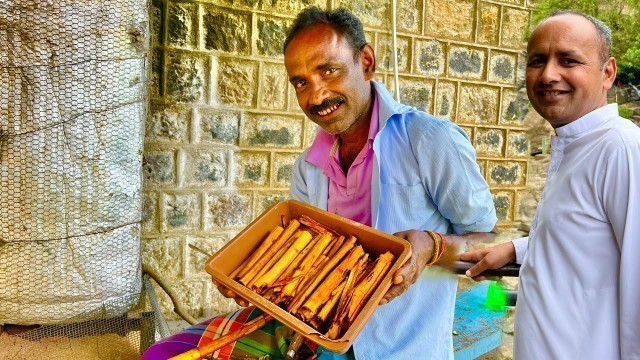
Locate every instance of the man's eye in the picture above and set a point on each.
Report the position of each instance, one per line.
(299, 84)
(330, 71)
(535, 62)
(569, 62)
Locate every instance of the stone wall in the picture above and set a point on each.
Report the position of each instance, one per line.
(224, 126)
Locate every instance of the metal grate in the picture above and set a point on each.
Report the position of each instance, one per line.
(72, 109)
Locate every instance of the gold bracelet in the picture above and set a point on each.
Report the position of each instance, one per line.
(436, 248)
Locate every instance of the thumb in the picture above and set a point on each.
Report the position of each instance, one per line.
(477, 269)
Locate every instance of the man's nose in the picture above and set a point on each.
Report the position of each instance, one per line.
(318, 94)
(550, 73)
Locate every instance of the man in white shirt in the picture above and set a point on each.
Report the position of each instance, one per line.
(579, 294)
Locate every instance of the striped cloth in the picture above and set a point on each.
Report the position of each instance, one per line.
(269, 342)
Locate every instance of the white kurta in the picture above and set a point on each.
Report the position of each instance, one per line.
(579, 292)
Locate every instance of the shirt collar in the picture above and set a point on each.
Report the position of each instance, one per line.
(589, 121)
(325, 144)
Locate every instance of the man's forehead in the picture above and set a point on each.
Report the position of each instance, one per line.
(564, 34)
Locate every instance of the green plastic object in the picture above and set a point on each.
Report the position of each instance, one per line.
(496, 297)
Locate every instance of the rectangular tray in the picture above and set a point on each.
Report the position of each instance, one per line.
(375, 242)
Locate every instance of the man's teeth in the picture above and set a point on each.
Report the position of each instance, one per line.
(553, 92)
(329, 110)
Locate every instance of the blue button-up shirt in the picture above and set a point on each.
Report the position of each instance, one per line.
(425, 177)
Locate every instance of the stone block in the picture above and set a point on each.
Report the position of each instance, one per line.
(429, 58)
(517, 2)
(216, 303)
(450, 19)
(158, 167)
(237, 82)
(181, 212)
(488, 23)
(283, 169)
(373, 13)
(164, 255)
(483, 166)
(289, 7)
(517, 144)
(196, 260)
(409, 15)
(489, 142)
(167, 124)
(192, 295)
(149, 212)
(271, 35)
(204, 168)
(250, 169)
(182, 25)
(526, 205)
(503, 202)
(469, 131)
(156, 22)
(310, 132)
(502, 68)
(510, 173)
(156, 77)
(185, 77)
(514, 24)
(515, 106)
(228, 210)
(218, 126)
(273, 86)
(385, 53)
(226, 30)
(445, 102)
(466, 63)
(478, 104)
(271, 131)
(265, 200)
(417, 93)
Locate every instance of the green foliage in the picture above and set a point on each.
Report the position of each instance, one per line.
(624, 112)
(622, 16)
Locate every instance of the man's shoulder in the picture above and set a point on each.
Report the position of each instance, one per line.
(621, 133)
(422, 122)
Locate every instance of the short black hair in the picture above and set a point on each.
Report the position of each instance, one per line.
(604, 32)
(343, 21)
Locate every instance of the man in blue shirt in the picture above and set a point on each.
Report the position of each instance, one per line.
(423, 176)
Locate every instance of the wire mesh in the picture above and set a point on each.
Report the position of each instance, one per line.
(72, 109)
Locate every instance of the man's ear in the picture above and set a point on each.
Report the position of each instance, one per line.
(609, 71)
(368, 59)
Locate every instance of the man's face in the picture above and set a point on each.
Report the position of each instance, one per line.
(565, 79)
(332, 87)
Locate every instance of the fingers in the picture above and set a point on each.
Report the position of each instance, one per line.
(394, 291)
(472, 256)
(477, 269)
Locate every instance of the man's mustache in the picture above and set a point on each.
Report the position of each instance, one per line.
(327, 103)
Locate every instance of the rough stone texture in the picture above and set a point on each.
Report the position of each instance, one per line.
(265, 200)
(409, 15)
(181, 212)
(164, 255)
(489, 142)
(158, 167)
(371, 12)
(310, 131)
(429, 58)
(274, 87)
(517, 144)
(204, 168)
(384, 54)
(527, 200)
(149, 212)
(226, 30)
(450, 19)
(483, 166)
(503, 201)
(228, 210)
(478, 105)
(445, 103)
(192, 294)
(197, 260)
(502, 68)
(514, 21)
(156, 24)
(288, 7)
(185, 77)
(237, 82)
(282, 169)
(165, 124)
(218, 126)
(489, 23)
(182, 25)
(514, 107)
(271, 35)
(466, 63)
(251, 169)
(469, 131)
(271, 131)
(507, 173)
(417, 93)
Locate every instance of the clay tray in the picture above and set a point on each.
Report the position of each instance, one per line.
(375, 242)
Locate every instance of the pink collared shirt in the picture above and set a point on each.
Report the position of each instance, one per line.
(349, 194)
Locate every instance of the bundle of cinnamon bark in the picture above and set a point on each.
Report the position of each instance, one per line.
(319, 276)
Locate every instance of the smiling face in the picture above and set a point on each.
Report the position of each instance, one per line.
(565, 78)
(332, 87)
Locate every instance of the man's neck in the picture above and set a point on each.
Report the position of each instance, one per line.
(354, 139)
